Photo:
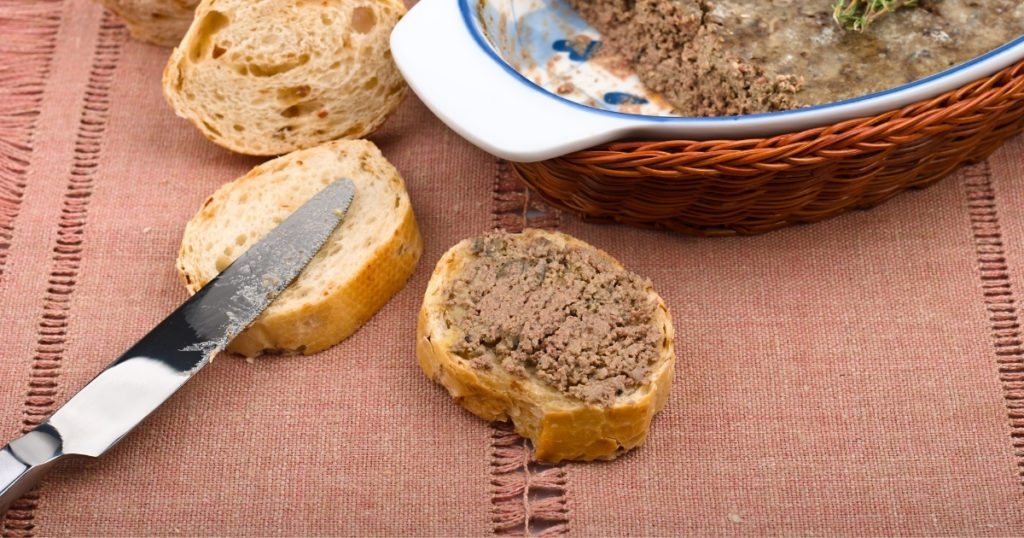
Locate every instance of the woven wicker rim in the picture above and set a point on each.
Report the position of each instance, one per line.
(752, 185)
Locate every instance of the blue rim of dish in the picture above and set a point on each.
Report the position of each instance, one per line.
(469, 17)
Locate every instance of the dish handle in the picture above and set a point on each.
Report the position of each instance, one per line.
(465, 84)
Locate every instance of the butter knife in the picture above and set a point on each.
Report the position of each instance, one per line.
(141, 379)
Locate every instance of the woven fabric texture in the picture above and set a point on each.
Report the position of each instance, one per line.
(858, 376)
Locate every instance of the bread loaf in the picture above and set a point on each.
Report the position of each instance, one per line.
(267, 77)
(161, 22)
(365, 261)
(553, 334)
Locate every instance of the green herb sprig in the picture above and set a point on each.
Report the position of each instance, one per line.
(857, 15)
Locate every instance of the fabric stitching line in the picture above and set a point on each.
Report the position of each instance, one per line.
(527, 498)
(30, 28)
(999, 298)
(66, 256)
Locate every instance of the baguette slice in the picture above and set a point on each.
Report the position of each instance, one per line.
(365, 262)
(267, 77)
(161, 22)
(563, 420)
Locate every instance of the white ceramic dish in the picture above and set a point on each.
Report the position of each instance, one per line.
(464, 58)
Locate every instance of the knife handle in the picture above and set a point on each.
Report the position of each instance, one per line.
(24, 462)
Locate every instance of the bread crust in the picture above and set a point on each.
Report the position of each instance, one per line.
(343, 307)
(560, 427)
(367, 259)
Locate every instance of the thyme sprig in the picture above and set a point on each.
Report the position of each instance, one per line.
(857, 15)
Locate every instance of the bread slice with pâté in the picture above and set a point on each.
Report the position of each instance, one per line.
(546, 331)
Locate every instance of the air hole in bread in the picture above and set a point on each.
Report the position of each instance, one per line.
(211, 128)
(301, 109)
(240, 240)
(260, 70)
(238, 127)
(222, 262)
(212, 23)
(370, 84)
(218, 51)
(292, 94)
(363, 19)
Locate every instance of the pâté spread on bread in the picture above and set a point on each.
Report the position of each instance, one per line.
(546, 331)
(734, 57)
(564, 314)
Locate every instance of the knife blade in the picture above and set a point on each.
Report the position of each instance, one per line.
(151, 370)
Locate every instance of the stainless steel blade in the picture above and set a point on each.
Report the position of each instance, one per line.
(135, 384)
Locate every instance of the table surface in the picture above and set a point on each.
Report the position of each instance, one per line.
(858, 376)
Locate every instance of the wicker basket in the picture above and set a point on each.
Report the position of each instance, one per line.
(727, 187)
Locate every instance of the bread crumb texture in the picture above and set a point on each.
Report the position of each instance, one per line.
(267, 77)
(553, 334)
(367, 259)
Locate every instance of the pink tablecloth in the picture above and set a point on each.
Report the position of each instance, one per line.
(859, 376)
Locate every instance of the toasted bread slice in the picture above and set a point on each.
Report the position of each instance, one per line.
(363, 264)
(161, 22)
(553, 334)
(267, 77)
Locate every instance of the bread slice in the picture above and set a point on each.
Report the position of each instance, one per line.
(363, 264)
(161, 22)
(267, 77)
(553, 334)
